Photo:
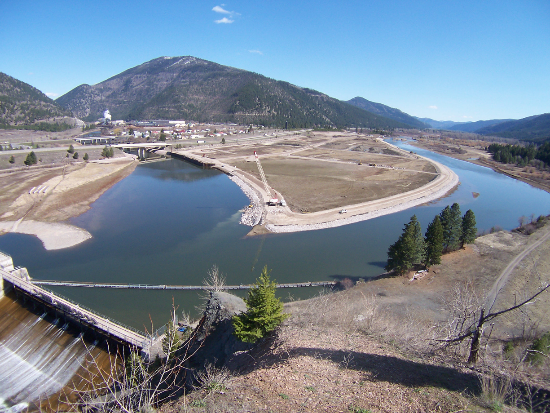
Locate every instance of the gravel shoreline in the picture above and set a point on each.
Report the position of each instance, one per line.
(366, 216)
(251, 216)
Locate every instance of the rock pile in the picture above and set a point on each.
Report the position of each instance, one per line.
(253, 214)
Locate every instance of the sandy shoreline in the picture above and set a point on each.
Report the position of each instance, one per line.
(54, 235)
(42, 212)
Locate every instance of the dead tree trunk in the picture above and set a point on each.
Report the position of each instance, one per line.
(476, 339)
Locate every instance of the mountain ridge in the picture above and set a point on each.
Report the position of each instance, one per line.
(387, 111)
(186, 87)
(24, 105)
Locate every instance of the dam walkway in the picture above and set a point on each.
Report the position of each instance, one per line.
(176, 287)
(19, 279)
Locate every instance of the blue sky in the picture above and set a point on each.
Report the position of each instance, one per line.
(447, 60)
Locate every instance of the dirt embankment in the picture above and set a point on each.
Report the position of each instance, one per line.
(328, 179)
(36, 200)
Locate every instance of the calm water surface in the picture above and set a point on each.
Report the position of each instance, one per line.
(169, 222)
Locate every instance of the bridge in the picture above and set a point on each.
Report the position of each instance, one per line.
(141, 148)
(176, 287)
(18, 278)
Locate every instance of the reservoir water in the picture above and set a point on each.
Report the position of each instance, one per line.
(170, 221)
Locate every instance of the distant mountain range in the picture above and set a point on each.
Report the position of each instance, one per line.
(191, 88)
(23, 105)
(461, 126)
(532, 128)
(386, 111)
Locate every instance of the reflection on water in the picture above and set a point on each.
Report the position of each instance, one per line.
(169, 222)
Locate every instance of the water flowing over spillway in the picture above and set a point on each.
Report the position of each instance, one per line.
(37, 357)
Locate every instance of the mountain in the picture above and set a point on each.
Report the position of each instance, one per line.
(472, 127)
(475, 126)
(532, 128)
(440, 124)
(22, 105)
(195, 89)
(386, 111)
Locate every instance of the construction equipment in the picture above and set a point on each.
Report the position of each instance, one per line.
(273, 200)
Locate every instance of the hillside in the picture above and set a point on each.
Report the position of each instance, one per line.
(191, 88)
(388, 112)
(475, 126)
(22, 105)
(439, 124)
(532, 128)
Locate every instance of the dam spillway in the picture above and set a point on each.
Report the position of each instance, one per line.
(38, 356)
(48, 344)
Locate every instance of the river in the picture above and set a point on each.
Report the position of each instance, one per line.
(170, 221)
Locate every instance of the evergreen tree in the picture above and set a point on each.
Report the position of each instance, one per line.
(171, 341)
(108, 152)
(86, 157)
(12, 159)
(419, 245)
(407, 250)
(434, 243)
(451, 220)
(263, 313)
(31, 159)
(75, 155)
(71, 149)
(469, 230)
(135, 369)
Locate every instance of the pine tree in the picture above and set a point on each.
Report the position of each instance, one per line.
(263, 313)
(469, 230)
(12, 159)
(71, 149)
(31, 159)
(451, 220)
(434, 243)
(407, 250)
(86, 157)
(419, 246)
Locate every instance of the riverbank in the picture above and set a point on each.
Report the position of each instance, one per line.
(327, 180)
(37, 201)
(478, 156)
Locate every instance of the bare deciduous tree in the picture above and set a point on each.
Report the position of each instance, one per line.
(469, 316)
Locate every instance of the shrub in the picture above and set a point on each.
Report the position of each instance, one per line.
(539, 349)
(263, 313)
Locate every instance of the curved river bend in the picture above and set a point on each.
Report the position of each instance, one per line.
(169, 222)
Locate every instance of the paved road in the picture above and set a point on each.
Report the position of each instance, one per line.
(505, 275)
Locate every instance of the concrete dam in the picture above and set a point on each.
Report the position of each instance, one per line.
(47, 342)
